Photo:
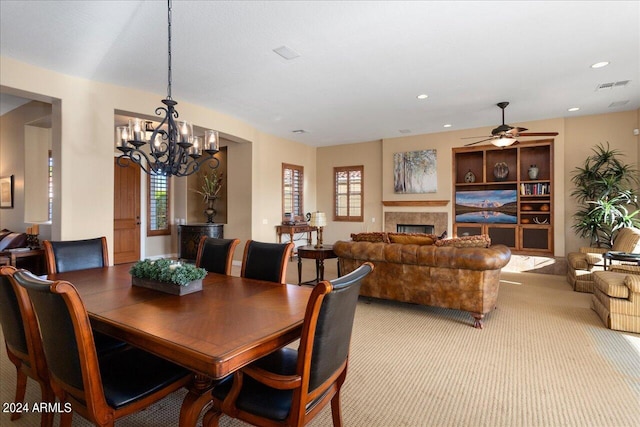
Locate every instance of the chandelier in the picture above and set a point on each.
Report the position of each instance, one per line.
(170, 148)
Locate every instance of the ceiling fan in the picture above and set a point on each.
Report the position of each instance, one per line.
(505, 135)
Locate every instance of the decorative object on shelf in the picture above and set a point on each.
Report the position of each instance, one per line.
(210, 190)
(469, 177)
(526, 207)
(501, 171)
(173, 150)
(533, 172)
(167, 276)
(318, 219)
(544, 221)
(544, 208)
(525, 221)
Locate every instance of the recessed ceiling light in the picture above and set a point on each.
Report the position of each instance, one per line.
(600, 64)
(286, 52)
(422, 96)
(447, 125)
(572, 109)
(404, 130)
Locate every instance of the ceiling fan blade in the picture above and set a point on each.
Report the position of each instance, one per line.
(476, 137)
(478, 142)
(538, 134)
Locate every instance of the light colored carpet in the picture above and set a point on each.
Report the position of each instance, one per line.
(543, 359)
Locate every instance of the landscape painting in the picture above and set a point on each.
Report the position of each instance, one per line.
(415, 172)
(490, 206)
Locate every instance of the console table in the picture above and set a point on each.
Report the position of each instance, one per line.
(33, 259)
(291, 230)
(189, 238)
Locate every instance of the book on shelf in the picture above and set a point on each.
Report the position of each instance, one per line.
(539, 189)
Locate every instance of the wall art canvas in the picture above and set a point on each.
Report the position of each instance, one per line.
(6, 192)
(415, 172)
(489, 206)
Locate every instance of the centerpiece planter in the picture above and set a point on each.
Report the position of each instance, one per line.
(167, 276)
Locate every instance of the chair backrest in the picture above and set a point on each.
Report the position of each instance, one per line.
(66, 335)
(73, 255)
(328, 323)
(266, 261)
(216, 255)
(13, 327)
(627, 240)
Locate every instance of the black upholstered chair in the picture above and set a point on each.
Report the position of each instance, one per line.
(101, 388)
(266, 261)
(290, 387)
(23, 343)
(74, 255)
(216, 255)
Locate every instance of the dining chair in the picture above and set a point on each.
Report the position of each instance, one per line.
(289, 387)
(72, 255)
(101, 388)
(266, 261)
(216, 255)
(23, 343)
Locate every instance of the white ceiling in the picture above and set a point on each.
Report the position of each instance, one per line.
(361, 63)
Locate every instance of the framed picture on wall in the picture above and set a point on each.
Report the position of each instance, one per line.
(6, 192)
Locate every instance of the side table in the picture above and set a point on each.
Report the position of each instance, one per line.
(319, 254)
(33, 259)
(621, 256)
(189, 238)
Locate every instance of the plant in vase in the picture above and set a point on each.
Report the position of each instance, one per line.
(210, 190)
(167, 275)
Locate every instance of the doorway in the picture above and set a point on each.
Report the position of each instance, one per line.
(126, 213)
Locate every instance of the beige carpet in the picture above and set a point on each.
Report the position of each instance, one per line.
(543, 359)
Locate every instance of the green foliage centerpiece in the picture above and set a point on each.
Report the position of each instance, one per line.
(168, 276)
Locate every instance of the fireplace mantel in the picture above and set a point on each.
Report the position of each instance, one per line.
(415, 202)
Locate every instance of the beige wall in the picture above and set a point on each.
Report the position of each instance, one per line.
(83, 149)
(572, 145)
(368, 154)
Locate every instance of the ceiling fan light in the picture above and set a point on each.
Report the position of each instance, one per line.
(503, 141)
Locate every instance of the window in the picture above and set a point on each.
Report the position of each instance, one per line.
(292, 192)
(349, 193)
(158, 210)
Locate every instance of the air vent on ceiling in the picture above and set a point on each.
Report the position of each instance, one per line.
(404, 130)
(612, 85)
(286, 52)
(617, 104)
(299, 131)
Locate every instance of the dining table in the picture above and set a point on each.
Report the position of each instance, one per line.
(232, 322)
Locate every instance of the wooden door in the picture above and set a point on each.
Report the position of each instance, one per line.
(126, 213)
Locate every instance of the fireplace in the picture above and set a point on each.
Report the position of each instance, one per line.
(415, 228)
(437, 221)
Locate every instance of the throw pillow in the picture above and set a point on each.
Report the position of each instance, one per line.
(480, 241)
(370, 237)
(412, 238)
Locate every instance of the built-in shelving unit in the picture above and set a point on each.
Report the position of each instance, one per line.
(512, 204)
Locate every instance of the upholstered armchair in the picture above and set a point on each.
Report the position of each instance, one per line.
(582, 264)
(616, 297)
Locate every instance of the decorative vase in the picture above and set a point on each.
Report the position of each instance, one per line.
(501, 171)
(166, 287)
(469, 177)
(210, 212)
(533, 172)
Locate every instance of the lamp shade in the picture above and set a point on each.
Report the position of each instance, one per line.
(318, 219)
(503, 141)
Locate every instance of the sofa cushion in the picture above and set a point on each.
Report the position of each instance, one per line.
(13, 240)
(412, 238)
(370, 237)
(480, 241)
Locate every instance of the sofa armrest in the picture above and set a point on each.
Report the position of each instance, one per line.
(632, 281)
(590, 250)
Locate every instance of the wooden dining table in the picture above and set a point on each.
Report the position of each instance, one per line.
(232, 322)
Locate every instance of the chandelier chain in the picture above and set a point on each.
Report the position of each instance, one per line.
(169, 56)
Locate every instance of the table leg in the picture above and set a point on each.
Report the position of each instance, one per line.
(299, 270)
(196, 400)
(321, 268)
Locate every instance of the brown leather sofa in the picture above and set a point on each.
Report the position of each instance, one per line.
(462, 278)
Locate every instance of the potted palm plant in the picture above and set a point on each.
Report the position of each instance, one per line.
(606, 192)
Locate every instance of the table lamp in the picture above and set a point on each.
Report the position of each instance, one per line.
(318, 219)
